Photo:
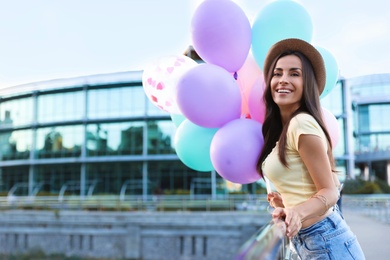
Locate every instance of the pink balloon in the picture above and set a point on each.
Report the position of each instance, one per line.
(160, 77)
(247, 76)
(209, 96)
(221, 33)
(255, 101)
(331, 125)
(235, 149)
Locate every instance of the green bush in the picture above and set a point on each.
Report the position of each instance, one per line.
(370, 188)
(383, 186)
(352, 186)
(358, 186)
(238, 192)
(261, 190)
(177, 192)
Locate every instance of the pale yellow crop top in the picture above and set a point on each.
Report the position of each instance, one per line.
(294, 183)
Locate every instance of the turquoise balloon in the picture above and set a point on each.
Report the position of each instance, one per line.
(177, 119)
(332, 70)
(192, 144)
(279, 20)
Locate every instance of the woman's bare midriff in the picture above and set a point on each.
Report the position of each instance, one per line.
(311, 221)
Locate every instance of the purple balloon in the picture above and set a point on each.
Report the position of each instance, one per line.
(208, 96)
(221, 34)
(235, 149)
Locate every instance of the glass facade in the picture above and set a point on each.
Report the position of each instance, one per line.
(362, 106)
(372, 128)
(16, 112)
(370, 96)
(101, 138)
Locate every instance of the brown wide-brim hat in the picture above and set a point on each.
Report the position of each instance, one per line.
(308, 50)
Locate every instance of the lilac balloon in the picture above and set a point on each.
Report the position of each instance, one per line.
(235, 149)
(221, 34)
(209, 96)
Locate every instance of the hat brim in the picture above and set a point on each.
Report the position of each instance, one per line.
(308, 50)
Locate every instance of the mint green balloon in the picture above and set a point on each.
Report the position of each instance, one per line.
(279, 20)
(192, 144)
(332, 70)
(177, 119)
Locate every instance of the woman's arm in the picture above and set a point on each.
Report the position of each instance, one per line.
(314, 156)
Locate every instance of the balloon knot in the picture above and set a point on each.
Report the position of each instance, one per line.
(235, 75)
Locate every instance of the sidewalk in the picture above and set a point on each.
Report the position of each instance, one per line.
(372, 234)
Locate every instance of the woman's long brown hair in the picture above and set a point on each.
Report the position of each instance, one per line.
(273, 129)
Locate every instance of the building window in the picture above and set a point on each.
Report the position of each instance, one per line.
(116, 102)
(15, 145)
(60, 107)
(373, 130)
(171, 177)
(52, 179)
(16, 177)
(16, 112)
(379, 89)
(59, 141)
(161, 137)
(110, 178)
(114, 139)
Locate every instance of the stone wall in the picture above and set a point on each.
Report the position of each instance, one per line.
(128, 235)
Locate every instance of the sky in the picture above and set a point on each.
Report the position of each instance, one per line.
(45, 39)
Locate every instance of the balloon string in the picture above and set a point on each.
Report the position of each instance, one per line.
(235, 75)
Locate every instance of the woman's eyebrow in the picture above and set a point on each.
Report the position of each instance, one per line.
(295, 69)
(289, 69)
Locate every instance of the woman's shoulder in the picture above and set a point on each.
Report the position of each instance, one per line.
(304, 123)
(303, 118)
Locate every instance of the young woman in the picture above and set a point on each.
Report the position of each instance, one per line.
(297, 154)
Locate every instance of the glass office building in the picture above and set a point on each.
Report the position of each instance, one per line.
(370, 96)
(90, 135)
(362, 107)
(100, 135)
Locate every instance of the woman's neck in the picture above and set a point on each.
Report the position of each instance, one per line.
(286, 114)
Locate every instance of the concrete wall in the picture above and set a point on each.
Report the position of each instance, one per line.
(128, 235)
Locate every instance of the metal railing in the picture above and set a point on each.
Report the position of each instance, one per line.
(269, 243)
(138, 203)
(373, 205)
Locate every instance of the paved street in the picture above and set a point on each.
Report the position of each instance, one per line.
(372, 234)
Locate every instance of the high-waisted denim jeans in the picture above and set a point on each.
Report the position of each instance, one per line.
(330, 238)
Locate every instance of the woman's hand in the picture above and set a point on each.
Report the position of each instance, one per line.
(275, 200)
(291, 218)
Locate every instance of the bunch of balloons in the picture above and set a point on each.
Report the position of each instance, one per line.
(217, 105)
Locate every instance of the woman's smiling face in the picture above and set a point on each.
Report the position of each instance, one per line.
(287, 83)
